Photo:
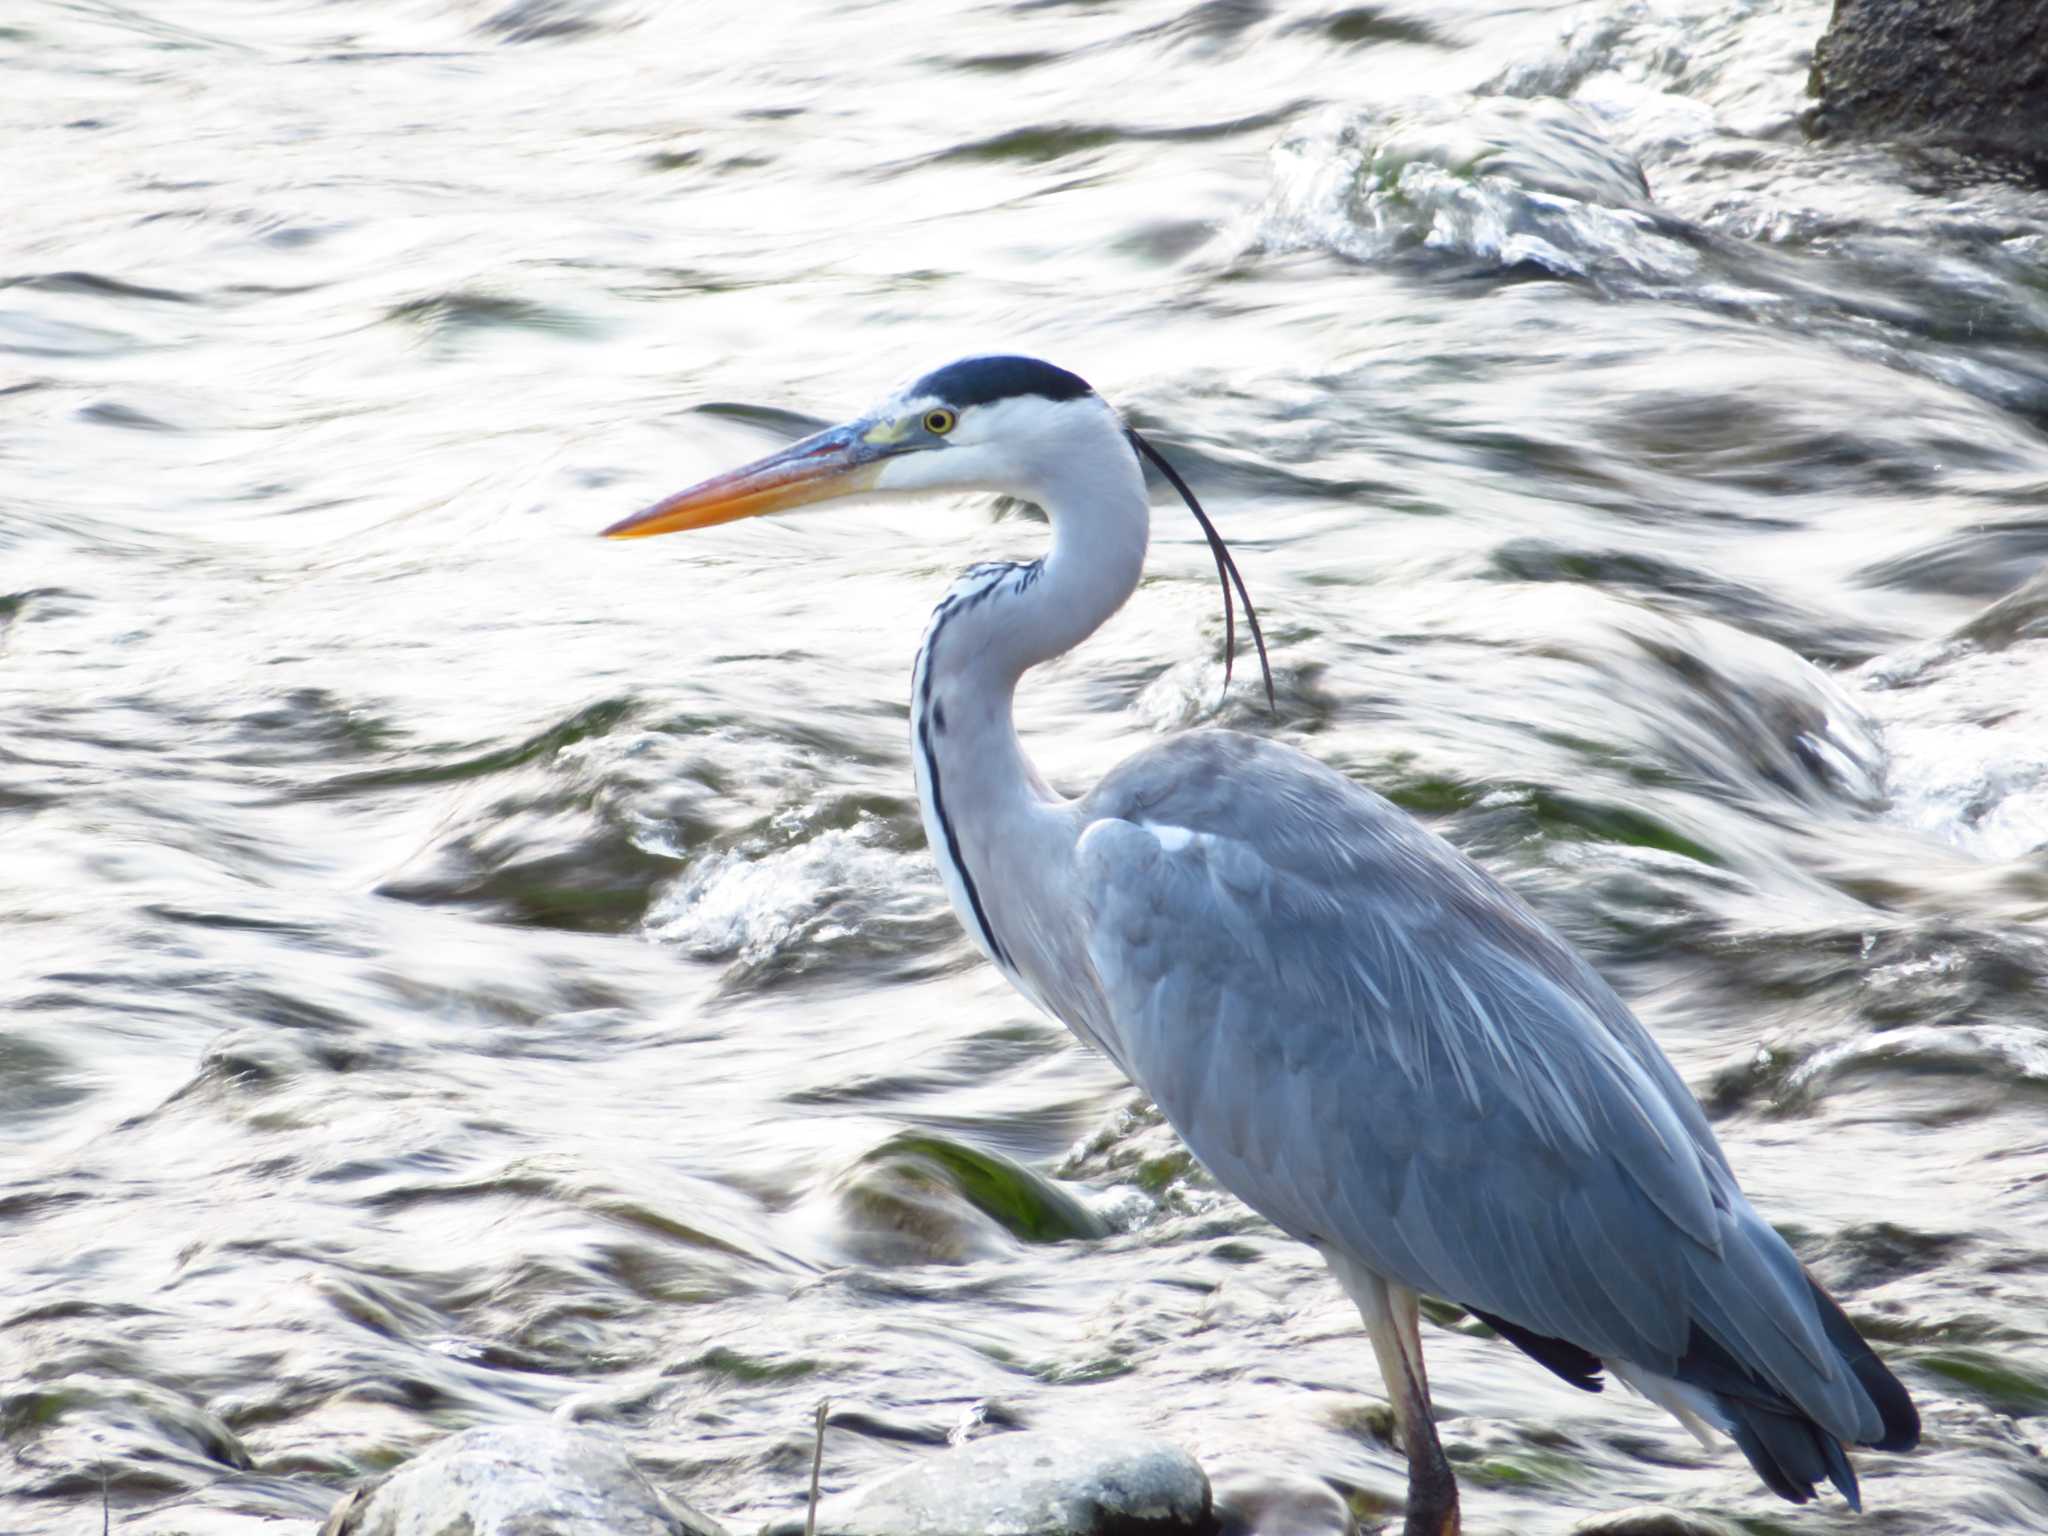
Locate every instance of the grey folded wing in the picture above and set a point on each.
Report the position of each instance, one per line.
(1383, 1051)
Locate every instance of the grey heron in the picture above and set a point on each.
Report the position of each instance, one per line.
(1368, 1039)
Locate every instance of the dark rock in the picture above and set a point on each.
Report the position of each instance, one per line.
(517, 1480)
(1971, 74)
(1030, 1484)
(1651, 1520)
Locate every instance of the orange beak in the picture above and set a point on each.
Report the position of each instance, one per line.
(840, 461)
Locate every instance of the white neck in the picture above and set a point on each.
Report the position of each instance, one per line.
(993, 823)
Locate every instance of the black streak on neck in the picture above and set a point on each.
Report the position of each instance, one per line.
(932, 721)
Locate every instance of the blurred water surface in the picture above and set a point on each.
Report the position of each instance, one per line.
(454, 969)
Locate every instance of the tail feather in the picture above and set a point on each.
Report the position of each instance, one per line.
(1790, 1452)
(1793, 1391)
(1795, 1381)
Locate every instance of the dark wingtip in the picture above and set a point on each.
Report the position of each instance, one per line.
(1226, 573)
(1894, 1404)
(1901, 1418)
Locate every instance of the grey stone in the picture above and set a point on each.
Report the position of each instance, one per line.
(517, 1480)
(1968, 73)
(1030, 1484)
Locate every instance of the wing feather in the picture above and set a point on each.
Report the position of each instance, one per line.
(1385, 1053)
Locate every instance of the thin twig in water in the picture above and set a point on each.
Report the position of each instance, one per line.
(817, 1464)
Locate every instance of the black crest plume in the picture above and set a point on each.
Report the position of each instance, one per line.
(1226, 572)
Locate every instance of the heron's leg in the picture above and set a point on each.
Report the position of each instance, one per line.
(1393, 1319)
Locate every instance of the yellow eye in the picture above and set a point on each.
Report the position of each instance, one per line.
(939, 422)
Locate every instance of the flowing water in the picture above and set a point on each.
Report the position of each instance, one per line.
(455, 969)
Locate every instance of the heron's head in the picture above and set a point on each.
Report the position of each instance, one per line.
(1010, 424)
(1007, 424)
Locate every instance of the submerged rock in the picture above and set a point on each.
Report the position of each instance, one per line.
(1970, 73)
(1030, 1484)
(1504, 182)
(2022, 614)
(517, 1480)
(1262, 1501)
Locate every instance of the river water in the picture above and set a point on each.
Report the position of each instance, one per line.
(456, 970)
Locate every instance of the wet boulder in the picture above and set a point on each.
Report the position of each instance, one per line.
(1030, 1484)
(1972, 74)
(517, 1480)
(925, 1199)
